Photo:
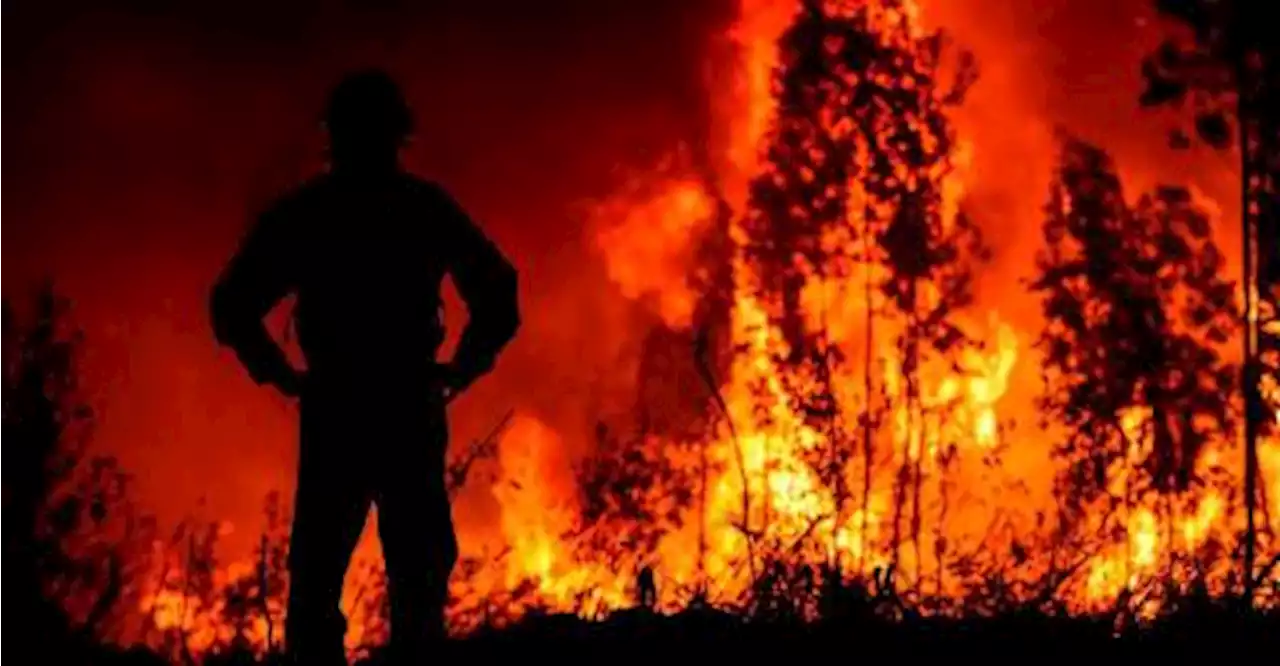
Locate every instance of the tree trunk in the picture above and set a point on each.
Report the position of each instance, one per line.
(1248, 366)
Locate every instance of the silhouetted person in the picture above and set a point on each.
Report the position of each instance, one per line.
(364, 249)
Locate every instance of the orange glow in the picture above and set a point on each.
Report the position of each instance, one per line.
(983, 459)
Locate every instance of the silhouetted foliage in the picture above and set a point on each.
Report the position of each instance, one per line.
(75, 543)
(852, 188)
(1199, 67)
(632, 493)
(1224, 64)
(1135, 310)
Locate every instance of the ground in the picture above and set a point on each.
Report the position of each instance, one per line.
(638, 636)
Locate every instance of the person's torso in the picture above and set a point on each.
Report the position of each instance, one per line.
(370, 261)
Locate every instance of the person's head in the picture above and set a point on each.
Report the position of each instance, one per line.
(367, 119)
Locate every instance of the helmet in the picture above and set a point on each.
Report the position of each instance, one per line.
(368, 104)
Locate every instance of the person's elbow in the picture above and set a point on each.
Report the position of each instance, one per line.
(509, 287)
(495, 308)
(224, 314)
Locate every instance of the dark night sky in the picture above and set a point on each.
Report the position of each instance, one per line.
(140, 135)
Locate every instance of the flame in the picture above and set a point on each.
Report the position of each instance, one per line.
(535, 515)
(200, 620)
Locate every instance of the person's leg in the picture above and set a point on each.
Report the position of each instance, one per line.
(418, 541)
(330, 507)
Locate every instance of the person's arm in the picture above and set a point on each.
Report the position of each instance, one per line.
(257, 278)
(487, 283)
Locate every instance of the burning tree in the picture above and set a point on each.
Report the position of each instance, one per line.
(1136, 312)
(851, 195)
(1223, 64)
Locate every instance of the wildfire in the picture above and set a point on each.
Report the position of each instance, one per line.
(947, 438)
(765, 482)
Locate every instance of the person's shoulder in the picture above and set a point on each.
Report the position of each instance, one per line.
(311, 192)
(428, 190)
(300, 198)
